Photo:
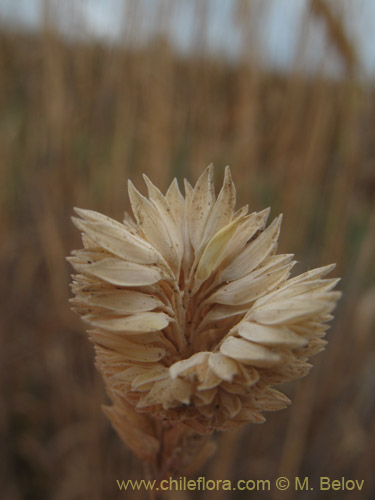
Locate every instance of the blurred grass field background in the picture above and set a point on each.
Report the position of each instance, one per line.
(76, 121)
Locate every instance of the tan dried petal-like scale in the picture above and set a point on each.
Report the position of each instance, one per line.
(194, 315)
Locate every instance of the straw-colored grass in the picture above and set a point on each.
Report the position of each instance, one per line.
(75, 122)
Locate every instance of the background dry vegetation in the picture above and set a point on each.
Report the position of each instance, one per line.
(76, 121)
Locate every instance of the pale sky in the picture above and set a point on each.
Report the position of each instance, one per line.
(278, 34)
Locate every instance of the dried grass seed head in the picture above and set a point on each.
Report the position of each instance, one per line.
(193, 314)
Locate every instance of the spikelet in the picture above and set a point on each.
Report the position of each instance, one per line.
(194, 317)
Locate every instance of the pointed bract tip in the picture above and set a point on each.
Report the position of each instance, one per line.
(227, 173)
(328, 269)
(132, 190)
(210, 170)
(79, 223)
(150, 186)
(85, 213)
(265, 211)
(146, 179)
